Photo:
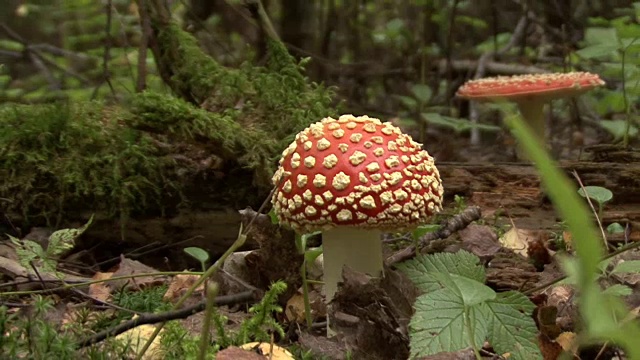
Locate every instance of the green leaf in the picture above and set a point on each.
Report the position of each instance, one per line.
(312, 254)
(462, 263)
(439, 324)
(27, 251)
(618, 128)
(471, 291)
(422, 230)
(408, 102)
(615, 228)
(601, 35)
(273, 217)
(617, 290)
(421, 92)
(65, 239)
(456, 124)
(197, 253)
(599, 50)
(597, 193)
(629, 266)
(512, 330)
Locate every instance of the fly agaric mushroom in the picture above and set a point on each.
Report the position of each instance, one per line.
(530, 92)
(352, 178)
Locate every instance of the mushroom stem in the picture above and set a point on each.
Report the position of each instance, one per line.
(532, 110)
(361, 250)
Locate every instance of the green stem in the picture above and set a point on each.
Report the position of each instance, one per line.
(242, 237)
(471, 332)
(305, 294)
(212, 290)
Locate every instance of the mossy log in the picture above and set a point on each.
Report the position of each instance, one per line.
(209, 148)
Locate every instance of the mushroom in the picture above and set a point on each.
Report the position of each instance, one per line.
(530, 92)
(352, 178)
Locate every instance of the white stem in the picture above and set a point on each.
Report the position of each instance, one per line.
(533, 113)
(361, 250)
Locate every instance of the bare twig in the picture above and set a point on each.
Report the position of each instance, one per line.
(453, 224)
(166, 316)
(106, 76)
(145, 24)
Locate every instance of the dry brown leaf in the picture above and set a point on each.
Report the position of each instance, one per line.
(272, 351)
(101, 290)
(569, 342)
(235, 353)
(129, 267)
(518, 240)
(179, 286)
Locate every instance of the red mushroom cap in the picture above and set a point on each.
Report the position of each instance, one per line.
(529, 86)
(355, 171)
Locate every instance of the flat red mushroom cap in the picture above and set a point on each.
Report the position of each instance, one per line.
(529, 86)
(355, 171)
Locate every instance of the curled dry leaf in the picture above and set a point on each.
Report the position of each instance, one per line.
(518, 240)
(100, 290)
(179, 286)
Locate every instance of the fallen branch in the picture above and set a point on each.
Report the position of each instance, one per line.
(453, 224)
(167, 316)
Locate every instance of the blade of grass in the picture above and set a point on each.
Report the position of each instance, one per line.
(601, 313)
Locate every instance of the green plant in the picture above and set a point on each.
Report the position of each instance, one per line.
(199, 254)
(612, 46)
(457, 310)
(32, 255)
(604, 315)
(309, 257)
(417, 112)
(598, 194)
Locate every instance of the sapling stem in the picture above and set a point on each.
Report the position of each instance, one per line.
(211, 291)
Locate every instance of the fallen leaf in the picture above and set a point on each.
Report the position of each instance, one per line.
(569, 342)
(129, 267)
(273, 351)
(137, 337)
(294, 310)
(518, 240)
(101, 290)
(480, 240)
(179, 286)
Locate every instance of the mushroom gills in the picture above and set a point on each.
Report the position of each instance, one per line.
(359, 249)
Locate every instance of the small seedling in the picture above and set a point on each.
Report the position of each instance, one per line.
(199, 254)
(615, 228)
(309, 257)
(598, 194)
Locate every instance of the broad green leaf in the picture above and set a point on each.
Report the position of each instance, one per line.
(462, 263)
(615, 228)
(617, 290)
(197, 253)
(512, 330)
(597, 193)
(421, 92)
(273, 217)
(617, 128)
(629, 266)
(599, 50)
(439, 324)
(27, 251)
(65, 239)
(312, 254)
(456, 124)
(601, 35)
(471, 291)
(408, 102)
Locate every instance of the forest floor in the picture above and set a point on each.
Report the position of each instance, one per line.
(511, 226)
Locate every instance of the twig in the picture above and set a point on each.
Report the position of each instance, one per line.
(106, 77)
(145, 24)
(166, 316)
(593, 209)
(453, 224)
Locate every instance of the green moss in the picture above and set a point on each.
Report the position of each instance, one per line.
(92, 157)
(56, 157)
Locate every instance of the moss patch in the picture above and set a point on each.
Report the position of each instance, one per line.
(90, 157)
